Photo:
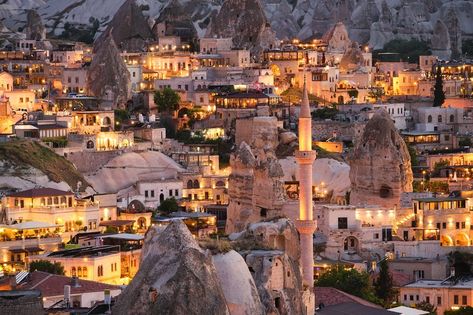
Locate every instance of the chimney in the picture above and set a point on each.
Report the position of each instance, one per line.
(67, 295)
(75, 282)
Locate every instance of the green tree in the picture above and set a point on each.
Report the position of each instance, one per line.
(408, 50)
(167, 100)
(169, 205)
(461, 262)
(325, 113)
(465, 142)
(424, 306)
(464, 310)
(47, 266)
(348, 280)
(376, 92)
(439, 94)
(383, 285)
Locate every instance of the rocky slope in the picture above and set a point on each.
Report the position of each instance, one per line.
(178, 275)
(26, 164)
(376, 21)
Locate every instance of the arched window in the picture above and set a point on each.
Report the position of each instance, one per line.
(161, 197)
(50, 201)
(79, 272)
(196, 184)
(90, 144)
(220, 183)
(56, 200)
(452, 118)
(429, 119)
(73, 272)
(84, 272)
(189, 184)
(63, 200)
(439, 118)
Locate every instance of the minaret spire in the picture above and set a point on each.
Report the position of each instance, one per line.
(306, 225)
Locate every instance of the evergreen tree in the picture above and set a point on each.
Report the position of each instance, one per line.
(439, 94)
(383, 285)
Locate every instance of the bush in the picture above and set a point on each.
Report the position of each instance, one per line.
(47, 266)
(169, 205)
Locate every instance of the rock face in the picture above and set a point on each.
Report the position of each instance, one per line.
(440, 42)
(256, 189)
(108, 76)
(34, 26)
(175, 277)
(129, 28)
(245, 22)
(238, 284)
(380, 165)
(276, 271)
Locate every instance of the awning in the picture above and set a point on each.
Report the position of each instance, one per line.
(32, 225)
(26, 250)
(116, 223)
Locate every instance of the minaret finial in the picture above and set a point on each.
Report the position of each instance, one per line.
(305, 106)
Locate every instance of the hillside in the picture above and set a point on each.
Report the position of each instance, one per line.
(20, 156)
(374, 21)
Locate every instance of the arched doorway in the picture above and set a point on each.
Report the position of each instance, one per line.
(350, 244)
(141, 223)
(461, 239)
(340, 99)
(90, 144)
(446, 240)
(161, 198)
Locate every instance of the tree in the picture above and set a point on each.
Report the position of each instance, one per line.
(383, 285)
(169, 205)
(347, 280)
(325, 113)
(424, 306)
(465, 142)
(167, 100)
(47, 266)
(439, 94)
(461, 262)
(376, 92)
(464, 310)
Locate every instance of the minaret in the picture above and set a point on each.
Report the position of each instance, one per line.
(306, 225)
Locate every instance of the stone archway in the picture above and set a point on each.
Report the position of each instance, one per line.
(141, 223)
(351, 244)
(462, 239)
(446, 240)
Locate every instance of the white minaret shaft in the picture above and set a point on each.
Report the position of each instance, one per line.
(305, 158)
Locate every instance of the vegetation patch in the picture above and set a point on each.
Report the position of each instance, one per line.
(27, 153)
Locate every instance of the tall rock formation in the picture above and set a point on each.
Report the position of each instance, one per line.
(256, 189)
(440, 42)
(129, 28)
(108, 77)
(245, 22)
(175, 277)
(34, 26)
(380, 165)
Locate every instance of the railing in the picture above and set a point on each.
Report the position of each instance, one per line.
(30, 242)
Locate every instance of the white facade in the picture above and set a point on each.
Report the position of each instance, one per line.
(397, 111)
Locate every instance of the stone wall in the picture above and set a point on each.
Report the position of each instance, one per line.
(90, 162)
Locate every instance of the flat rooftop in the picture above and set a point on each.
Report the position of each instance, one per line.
(440, 284)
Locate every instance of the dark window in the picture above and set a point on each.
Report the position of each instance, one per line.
(444, 225)
(439, 300)
(343, 223)
(438, 225)
(170, 192)
(427, 299)
(455, 299)
(464, 300)
(146, 194)
(176, 192)
(152, 193)
(457, 225)
(411, 297)
(263, 212)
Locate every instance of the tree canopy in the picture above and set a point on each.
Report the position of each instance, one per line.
(383, 284)
(47, 266)
(464, 310)
(408, 50)
(167, 100)
(348, 280)
(169, 205)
